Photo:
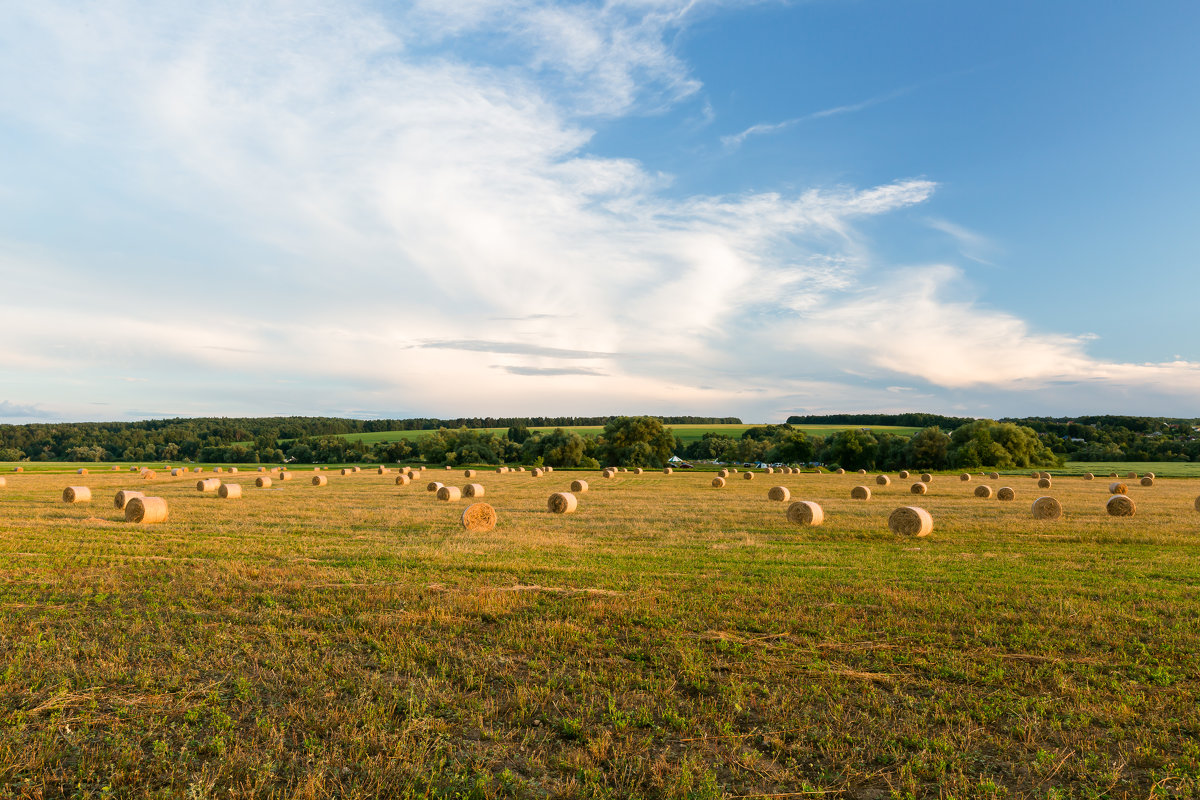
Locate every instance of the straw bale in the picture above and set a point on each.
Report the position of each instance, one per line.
(469, 473)
(903, 474)
(262, 482)
(579, 486)
(217, 469)
(562, 503)
(383, 471)
(234, 470)
(840, 471)
(230, 491)
(805, 512)
(433, 486)
(910, 521)
(748, 476)
(18, 469)
(478, 518)
(77, 494)
(1045, 475)
(860, 493)
(262, 469)
(1131, 475)
(1044, 483)
(919, 488)
(1006, 493)
(146, 510)
(994, 476)
(1087, 476)
(723, 473)
(779, 494)
(718, 482)
(449, 494)
(667, 470)
(347, 471)
(862, 472)
(124, 496)
(926, 477)
(3, 482)
(638, 471)
(1047, 508)
(769, 470)
(983, 491)
(208, 485)
(883, 480)
(1147, 481)
(1120, 506)
(1150, 475)
(1113, 475)
(81, 471)
(473, 490)
(149, 475)
(321, 480)
(537, 473)
(402, 479)
(1118, 488)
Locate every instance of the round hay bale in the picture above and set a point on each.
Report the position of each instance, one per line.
(883, 480)
(862, 472)
(638, 471)
(262, 482)
(860, 493)
(910, 521)
(1118, 488)
(549, 469)
(230, 491)
(478, 518)
(1147, 481)
(926, 477)
(146, 510)
(779, 494)
(1131, 475)
(208, 485)
(1113, 475)
(562, 503)
(747, 476)
(321, 480)
(81, 471)
(469, 473)
(448, 466)
(805, 512)
(149, 475)
(123, 497)
(520, 469)
(262, 469)
(919, 488)
(1045, 475)
(233, 470)
(1005, 493)
(579, 486)
(733, 469)
(1087, 476)
(769, 470)
(115, 468)
(993, 476)
(175, 473)
(197, 470)
(218, 469)
(382, 471)
(412, 474)
(718, 482)
(1120, 506)
(904, 474)
(724, 473)
(18, 469)
(473, 490)
(316, 469)
(403, 480)
(966, 476)
(1046, 508)
(983, 491)
(667, 470)
(501, 470)
(285, 476)
(537, 473)
(1044, 483)
(1150, 475)
(3, 482)
(839, 471)
(433, 486)
(77, 494)
(608, 474)
(448, 494)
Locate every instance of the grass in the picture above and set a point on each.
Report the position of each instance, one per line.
(669, 640)
(688, 433)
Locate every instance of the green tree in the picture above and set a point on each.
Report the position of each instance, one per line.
(635, 442)
(929, 448)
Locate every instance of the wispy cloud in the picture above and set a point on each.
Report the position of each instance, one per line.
(548, 371)
(734, 141)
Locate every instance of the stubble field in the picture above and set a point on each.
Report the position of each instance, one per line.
(668, 640)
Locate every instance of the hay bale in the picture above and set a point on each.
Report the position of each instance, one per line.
(478, 518)
(175, 473)
(230, 491)
(449, 494)
(347, 471)
(919, 488)
(638, 471)
(1147, 481)
(747, 476)
(149, 475)
(1131, 475)
(966, 476)
(779, 494)
(733, 469)
(473, 490)
(262, 482)
(718, 482)
(1045, 475)
(1120, 506)
(537, 473)
(357, 469)
(217, 469)
(724, 473)
(1044, 483)
(382, 471)
(883, 480)
(1005, 493)
(18, 469)
(549, 469)
(839, 471)
(146, 510)
(115, 468)
(904, 474)
(562, 503)
(926, 477)
(994, 476)
(579, 486)
(862, 472)
(1150, 475)
(608, 474)
(1118, 488)
(197, 470)
(769, 470)
(316, 469)
(433, 486)
(501, 470)
(208, 485)
(123, 497)
(1113, 475)
(412, 474)
(667, 470)
(910, 521)
(805, 512)
(77, 494)
(3, 482)
(520, 469)
(81, 471)
(402, 480)
(469, 473)
(983, 491)
(321, 480)
(1046, 508)
(1087, 476)
(233, 470)
(860, 493)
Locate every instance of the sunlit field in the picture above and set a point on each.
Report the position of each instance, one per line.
(667, 640)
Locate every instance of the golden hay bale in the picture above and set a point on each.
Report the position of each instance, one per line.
(217, 469)
(520, 469)
(994, 476)
(346, 472)
(1113, 475)
(860, 493)
(779, 494)
(983, 491)
(904, 474)
(316, 469)
(926, 477)
(233, 470)
(910, 521)
(667, 470)
(1087, 476)
(230, 491)
(883, 480)
(718, 482)
(919, 488)
(478, 518)
(208, 485)
(358, 469)
(805, 512)
(839, 471)
(501, 470)
(197, 470)
(1005, 493)
(579, 486)
(1118, 488)
(1046, 508)
(149, 475)
(769, 470)
(77, 494)
(433, 486)
(724, 473)
(412, 474)
(1045, 475)
(262, 482)
(1044, 483)
(1147, 481)
(382, 471)
(733, 469)
(81, 472)
(473, 490)
(449, 494)
(549, 469)
(537, 473)
(262, 469)
(862, 472)
(638, 471)
(18, 469)
(175, 473)
(3, 482)
(1120, 506)
(562, 503)
(124, 496)
(608, 474)
(1150, 475)
(747, 476)
(146, 510)
(402, 480)
(469, 473)
(449, 466)
(966, 476)
(115, 468)
(321, 480)
(1131, 475)
(285, 476)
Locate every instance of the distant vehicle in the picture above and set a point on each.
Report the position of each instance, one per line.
(684, 465)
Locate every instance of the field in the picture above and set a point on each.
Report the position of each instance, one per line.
(668, 640)
(688, 433)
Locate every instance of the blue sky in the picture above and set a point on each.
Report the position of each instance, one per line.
(645, 206)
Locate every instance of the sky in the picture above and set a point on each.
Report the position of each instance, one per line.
(753, 209)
